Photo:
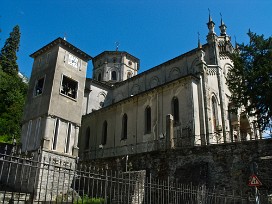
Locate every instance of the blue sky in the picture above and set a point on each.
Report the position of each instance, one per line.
(152, 30)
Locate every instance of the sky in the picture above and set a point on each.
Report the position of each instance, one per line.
(152, 30)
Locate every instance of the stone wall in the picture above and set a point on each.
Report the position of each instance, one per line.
(223, 166)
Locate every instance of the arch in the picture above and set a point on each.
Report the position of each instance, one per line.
(87, 138)
(135, 89)
(174, 73)
(104, 133)
(101, 98)
(124, 127)
(154, 82)
(147, 120)
(175, 110)
(113, 75)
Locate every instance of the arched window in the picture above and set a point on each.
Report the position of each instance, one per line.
(129, 75)
(175, 110)
(147, 119)
(124, 127)
(113, 75)
(87, 138)
(99, 77)
(214, 113)
(104, 133)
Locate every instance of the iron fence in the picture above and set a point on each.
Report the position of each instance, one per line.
(43, 178)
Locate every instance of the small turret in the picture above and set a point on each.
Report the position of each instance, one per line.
(223, 28)
(211, 24)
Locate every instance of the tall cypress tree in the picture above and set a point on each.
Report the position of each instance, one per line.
(8, 55)
(12, 90)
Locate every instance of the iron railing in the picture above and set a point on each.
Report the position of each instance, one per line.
(39, 178)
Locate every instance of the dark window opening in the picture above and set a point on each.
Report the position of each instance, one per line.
(113, 75)
(104, 133)
(87, 138)
(148, 120)
(99, 77)
(69, 87)
(39, 87)
(124, 127)
(175, 110)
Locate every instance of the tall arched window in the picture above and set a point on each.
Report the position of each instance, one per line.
(147, 119)
(113, 75)
(124, 127)
(214, 113)
(99, 77)
(175, 110)
(104, 133)
(87, 138)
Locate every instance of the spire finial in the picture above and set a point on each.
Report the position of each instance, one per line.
(210, 24)
(65, 36)
(199, 44)
(210, 18)
(221, 19)
(222, 27)
(117, 45)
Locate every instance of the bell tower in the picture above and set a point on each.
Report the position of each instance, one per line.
(52, 114)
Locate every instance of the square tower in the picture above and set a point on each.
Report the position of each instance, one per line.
(52, 114)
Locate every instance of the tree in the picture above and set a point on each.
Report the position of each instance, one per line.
(250, 79)
(12, 90)
(8, 55)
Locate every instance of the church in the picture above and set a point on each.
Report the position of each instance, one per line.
(183, 102)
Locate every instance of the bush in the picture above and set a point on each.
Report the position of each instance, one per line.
(87, 200)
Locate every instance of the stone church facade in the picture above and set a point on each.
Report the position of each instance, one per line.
(183, 102)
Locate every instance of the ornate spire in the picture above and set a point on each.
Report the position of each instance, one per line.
(222, 27)
(210, 24)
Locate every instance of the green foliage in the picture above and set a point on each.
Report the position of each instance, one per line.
(12, 93)
(8, 55)
(12, 90)
(250, 80)
(87, 200)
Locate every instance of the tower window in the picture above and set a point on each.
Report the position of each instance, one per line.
(69, 87)
(87, 138)
(147, 120)
(124, 127)
(175, 110)
(113, 75)
(39, 87)
(104, 133)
